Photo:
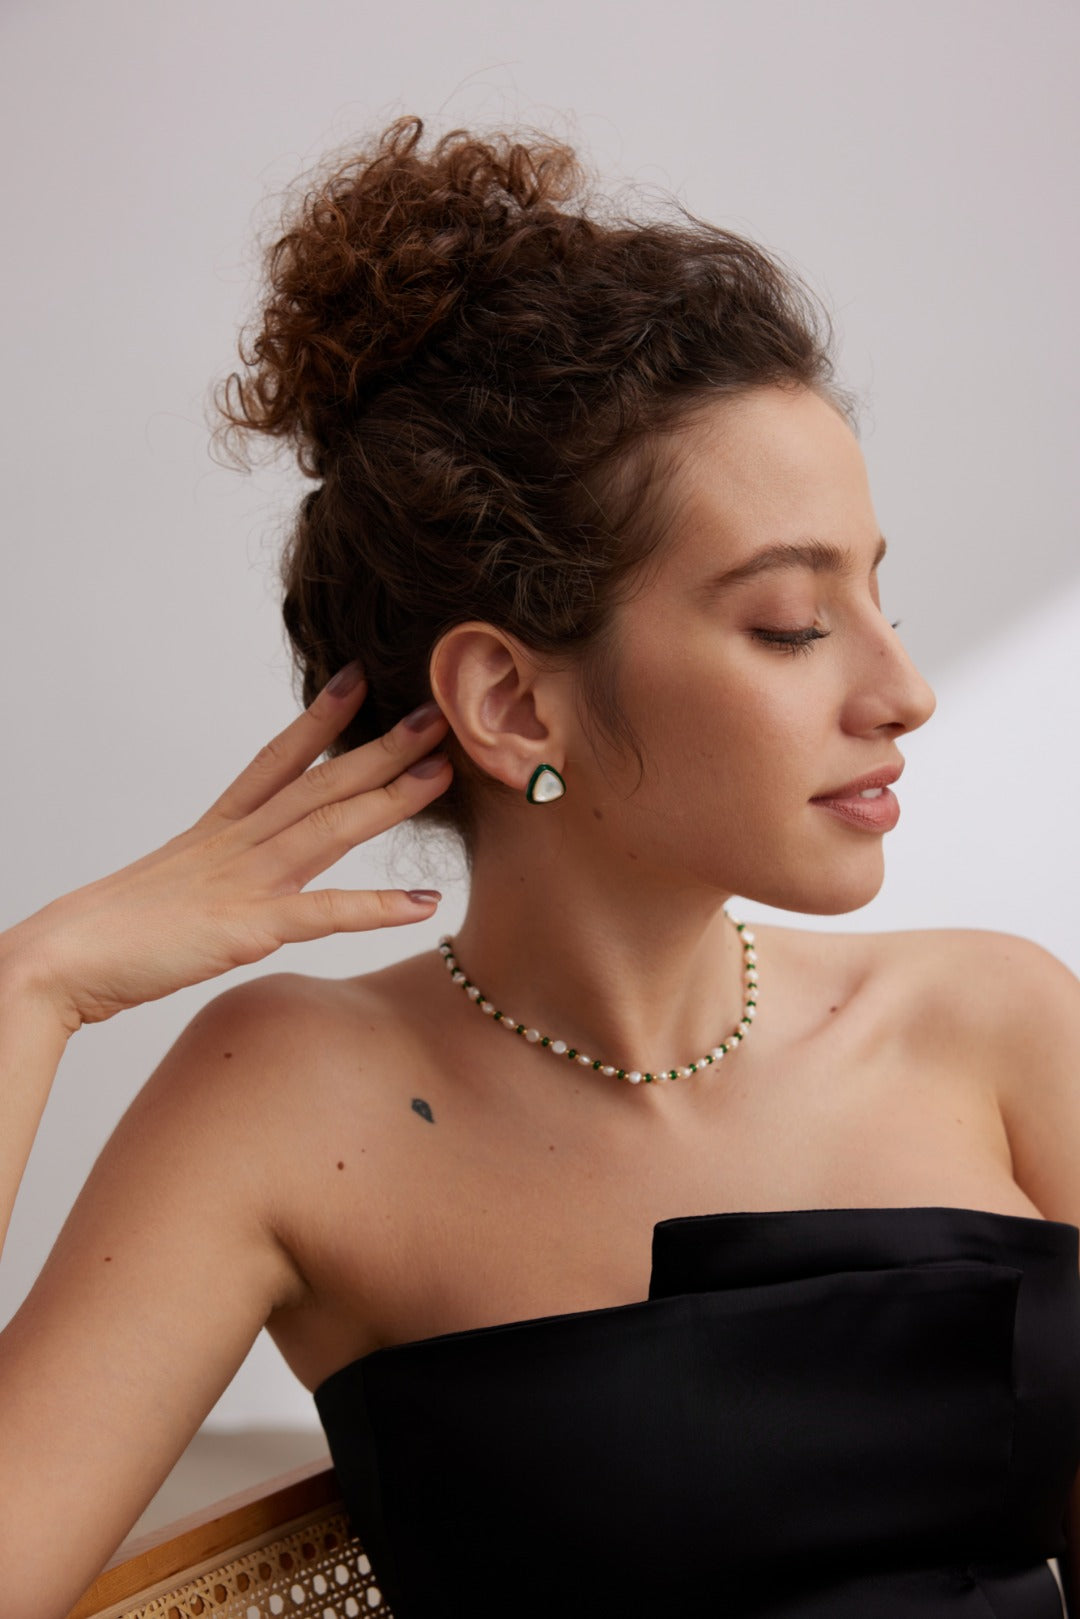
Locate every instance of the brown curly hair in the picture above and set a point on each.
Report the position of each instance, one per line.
(484, 383)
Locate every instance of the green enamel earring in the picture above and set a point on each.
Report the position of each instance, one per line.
(545, 785)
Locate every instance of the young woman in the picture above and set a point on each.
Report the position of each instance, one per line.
(640, 1261)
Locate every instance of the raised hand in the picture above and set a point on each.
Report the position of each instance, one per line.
(228, 891)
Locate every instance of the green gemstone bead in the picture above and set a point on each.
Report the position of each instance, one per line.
(673, 1073)
(545, 1040)
(571, 1054)
(707, 1059)
(648, 1079)
(693, 1067)
(620, 1073)
(521, 1028)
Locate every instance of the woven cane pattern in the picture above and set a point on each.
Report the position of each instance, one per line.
(317, 1571)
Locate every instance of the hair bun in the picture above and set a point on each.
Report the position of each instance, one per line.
(376, 256)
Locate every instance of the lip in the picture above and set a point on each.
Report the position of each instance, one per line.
(884, 777)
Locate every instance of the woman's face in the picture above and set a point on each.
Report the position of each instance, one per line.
(739, 730)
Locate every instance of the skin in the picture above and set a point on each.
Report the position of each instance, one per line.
(367, 1161)
(872, 1073)
(600, 915)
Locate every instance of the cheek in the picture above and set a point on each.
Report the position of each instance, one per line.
(757, 721)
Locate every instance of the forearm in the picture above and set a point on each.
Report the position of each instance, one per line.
(33, 1038)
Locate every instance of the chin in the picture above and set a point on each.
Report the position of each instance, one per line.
(824, 893)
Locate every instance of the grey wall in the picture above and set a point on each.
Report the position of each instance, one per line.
(914, 161)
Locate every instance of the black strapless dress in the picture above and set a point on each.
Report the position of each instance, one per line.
(815, 1414)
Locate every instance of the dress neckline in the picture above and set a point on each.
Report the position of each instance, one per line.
(1057, 1231)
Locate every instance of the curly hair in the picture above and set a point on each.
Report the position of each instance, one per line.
(484, 383)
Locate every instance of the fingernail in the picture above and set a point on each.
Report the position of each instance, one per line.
(422, 716)
(428, 766)
(423, 896)
(345, 679)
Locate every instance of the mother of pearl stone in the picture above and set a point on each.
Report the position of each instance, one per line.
(546, 785)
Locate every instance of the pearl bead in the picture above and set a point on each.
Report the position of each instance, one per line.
(634, 1076)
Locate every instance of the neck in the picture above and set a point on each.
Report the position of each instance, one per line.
(609, 958)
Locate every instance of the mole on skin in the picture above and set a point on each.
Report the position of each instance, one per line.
(340, 1164)
(421, 1107)
(228, 1053)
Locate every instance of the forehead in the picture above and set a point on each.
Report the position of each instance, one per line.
(766, 467)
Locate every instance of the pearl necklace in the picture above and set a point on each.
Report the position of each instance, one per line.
(635, 1077)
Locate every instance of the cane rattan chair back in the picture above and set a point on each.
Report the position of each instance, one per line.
(282, 1550)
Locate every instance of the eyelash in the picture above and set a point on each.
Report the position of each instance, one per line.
(795, 641)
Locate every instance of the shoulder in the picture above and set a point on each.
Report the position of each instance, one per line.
(958, 994)
(995, 1005)
(965, 976)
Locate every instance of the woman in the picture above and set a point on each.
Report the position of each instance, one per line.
(737, 1305)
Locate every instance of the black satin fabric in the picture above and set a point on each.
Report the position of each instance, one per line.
(815, 1414)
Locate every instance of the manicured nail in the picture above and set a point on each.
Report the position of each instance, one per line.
(422, 717)
(345, 679)
(423, 896)
(428, 766)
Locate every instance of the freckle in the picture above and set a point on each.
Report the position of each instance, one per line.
(108, 1259)
(340, 1164)
(599, 814)
(552, 1147)
(631, 855)
(228, 1054)
(834, 1009)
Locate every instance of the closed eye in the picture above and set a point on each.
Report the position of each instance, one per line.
(795, 641)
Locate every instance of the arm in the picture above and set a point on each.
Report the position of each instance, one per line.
(157, 1285)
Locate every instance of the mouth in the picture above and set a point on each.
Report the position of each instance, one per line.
(874, 785)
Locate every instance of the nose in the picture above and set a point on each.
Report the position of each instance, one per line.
(890, 695)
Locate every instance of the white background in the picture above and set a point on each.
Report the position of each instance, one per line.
(915, 161)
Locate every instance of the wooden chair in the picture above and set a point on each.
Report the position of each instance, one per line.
(282, 1548)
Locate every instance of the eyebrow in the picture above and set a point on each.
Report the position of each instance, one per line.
(818, 555)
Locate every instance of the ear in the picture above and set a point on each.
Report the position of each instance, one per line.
(506, 710)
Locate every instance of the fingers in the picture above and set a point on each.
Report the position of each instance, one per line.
(329, 831)
(282, 759)
(361, 770)
(339, 910)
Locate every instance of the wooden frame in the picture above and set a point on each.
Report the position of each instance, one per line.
(283, 1546)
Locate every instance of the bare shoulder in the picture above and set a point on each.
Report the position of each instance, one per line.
(994, 1005)
(975, 978)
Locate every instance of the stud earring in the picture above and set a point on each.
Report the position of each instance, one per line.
(545, 785)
